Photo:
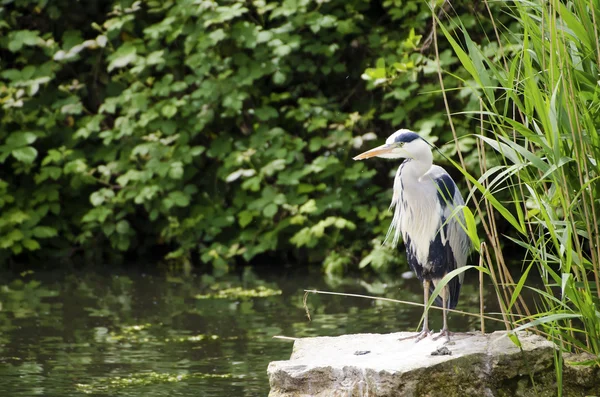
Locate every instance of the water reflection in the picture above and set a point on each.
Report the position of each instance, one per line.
(135, 334)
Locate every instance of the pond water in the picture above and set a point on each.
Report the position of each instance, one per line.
(138, 334)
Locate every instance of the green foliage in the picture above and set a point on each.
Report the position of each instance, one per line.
(542, 124)
(217, 129)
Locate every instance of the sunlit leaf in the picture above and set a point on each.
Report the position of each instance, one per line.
(125, 55)
(25, 154)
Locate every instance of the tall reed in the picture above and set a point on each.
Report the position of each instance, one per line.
(539, 149)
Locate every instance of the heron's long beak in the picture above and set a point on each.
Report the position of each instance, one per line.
(379, 150)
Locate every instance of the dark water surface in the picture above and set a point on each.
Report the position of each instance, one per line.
(134, 334)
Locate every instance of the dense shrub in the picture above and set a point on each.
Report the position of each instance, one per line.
(222, 129)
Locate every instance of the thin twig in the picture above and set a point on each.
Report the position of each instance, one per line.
(481, 305)
(304, 299)
(285, 337)
(495, 282)
(314, 291)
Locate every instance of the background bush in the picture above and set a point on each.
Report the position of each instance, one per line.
(213, 131)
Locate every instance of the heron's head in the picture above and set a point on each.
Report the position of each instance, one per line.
(401, 144)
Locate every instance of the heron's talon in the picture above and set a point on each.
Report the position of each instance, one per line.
(444, 332)
(421, 335)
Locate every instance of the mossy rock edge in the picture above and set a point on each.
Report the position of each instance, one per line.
(382, 366)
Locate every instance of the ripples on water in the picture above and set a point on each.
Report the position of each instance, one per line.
(134, 334)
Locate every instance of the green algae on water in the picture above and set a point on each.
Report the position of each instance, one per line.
(239, 292)
(140, 334)
(114, 384)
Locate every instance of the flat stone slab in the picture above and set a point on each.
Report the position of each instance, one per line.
(382, 365)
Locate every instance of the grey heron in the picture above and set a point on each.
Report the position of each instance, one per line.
(425, 198)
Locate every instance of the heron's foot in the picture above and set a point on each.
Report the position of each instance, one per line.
(444, 332)
(421, 335)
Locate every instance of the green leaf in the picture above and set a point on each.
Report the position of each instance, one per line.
(96, 199)
(15, 235)
(179, 198)
(17, 217)
(282, 50)
(123, 243)
(18, 139)
(125, 54)
(75, 167)
(309, 207)
(244, 218)
(217, 35)
(155, 58)
(264, 36)
(252, 184)
(44, 232)
(25, 154)
(266, 113)
(108, 228)
(342, 223)
(197, 150)
(235, 175)
(279, 77)
(517, 291)
(465, 59)
(169, 110)
(102, 195)
(454, 273)
(515, 339)
(98, 214)
(52, 172)
(365, 261)
(122, 227)
(555, 317)
(176, 170)
(302, 237)
(270, 210)
(471, 226)
(273, 166)
(31, 245)
(72, 108)
(21, 38)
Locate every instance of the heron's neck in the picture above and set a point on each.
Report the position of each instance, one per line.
(420, 163)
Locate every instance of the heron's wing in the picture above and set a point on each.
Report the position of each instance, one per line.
(453, 232)
(450, 247)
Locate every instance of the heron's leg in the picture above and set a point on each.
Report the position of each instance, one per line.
(425, 331)
(444, 331)
(445, 307)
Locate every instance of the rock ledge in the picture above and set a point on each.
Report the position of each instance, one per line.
(377, 365)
